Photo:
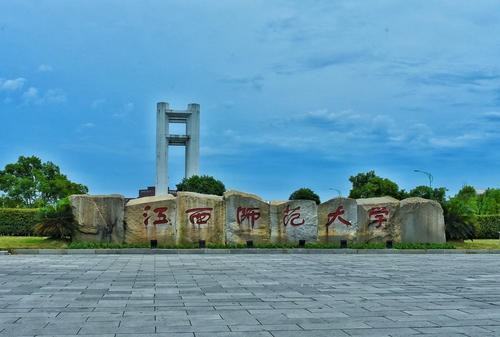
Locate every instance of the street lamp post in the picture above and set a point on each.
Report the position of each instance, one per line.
(336, 190)
(431, 178)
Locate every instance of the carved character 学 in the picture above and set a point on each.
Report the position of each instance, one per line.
(378, 216)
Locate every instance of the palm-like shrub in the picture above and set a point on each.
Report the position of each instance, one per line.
(55, 221)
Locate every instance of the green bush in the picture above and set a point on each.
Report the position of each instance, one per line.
(55, 221)
(460, 220)
(488, 226)
(305, 194)
(202, 184)
(17, 221)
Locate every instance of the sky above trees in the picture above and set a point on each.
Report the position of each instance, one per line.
(292, 93)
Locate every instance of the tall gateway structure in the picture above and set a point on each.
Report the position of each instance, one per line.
(191, 140)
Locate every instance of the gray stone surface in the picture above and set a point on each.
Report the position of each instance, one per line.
(249, 295)
(421, 220)
(294, 220)
(377, 221)
(151, 218)
(337, 220)
(99, 218)
(247, 218)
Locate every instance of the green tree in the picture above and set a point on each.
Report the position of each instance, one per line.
(460, 219)
(468, 196)
(369, 185)
(32, 183)
(202, 184)
(426, 192)
(489, 202)
(305, 194)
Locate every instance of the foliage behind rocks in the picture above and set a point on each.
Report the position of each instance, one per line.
(305, 194)
(202, 184)
(369, 185)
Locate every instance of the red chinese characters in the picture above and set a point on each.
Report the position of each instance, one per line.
(250, 214)
(160, 216)
(378, 216)
(337, 215)
(291, 216)
(199, 216)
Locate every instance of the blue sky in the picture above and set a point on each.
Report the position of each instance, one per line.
(292, 93)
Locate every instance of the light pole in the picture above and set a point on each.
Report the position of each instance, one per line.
(431, 178)
(336, 190)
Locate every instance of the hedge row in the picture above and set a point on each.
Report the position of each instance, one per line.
(488, 226)
(17, 221)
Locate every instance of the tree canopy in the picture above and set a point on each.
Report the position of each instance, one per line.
(202, 184)
(305, 194)
(426, 192)
(369, 185)
(32, 183)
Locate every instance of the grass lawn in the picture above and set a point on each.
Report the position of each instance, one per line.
(478, 244)
(9, 242)
(37, 242)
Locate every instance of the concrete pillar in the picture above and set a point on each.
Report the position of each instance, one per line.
(193, 144)
(161, 148)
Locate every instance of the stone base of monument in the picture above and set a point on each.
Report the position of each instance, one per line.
(247, 218)
(294, 220)
(98, 218)
(376, 220)
(237, 218)
(200, 217)
(338, 220)
(151, 218)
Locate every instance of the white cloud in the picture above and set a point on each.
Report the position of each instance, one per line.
(97, 103)
(33, 96)
(127, 107)
(12, 85)
(55, 96)
(88, 125)
(44, 68)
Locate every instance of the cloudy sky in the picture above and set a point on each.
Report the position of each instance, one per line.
(292, 93)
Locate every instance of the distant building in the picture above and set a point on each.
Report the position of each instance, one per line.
(148, 192)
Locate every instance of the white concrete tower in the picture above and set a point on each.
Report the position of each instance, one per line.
(191, 140)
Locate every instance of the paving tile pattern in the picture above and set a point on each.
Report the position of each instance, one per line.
(249, 295)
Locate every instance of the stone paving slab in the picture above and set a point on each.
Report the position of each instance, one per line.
(143, 251)
(287, 295)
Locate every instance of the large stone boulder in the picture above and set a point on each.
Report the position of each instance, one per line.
(200, 217)
(99, 218)
(294, 220)
(421, 221)
(151, 218)
(337, 220)
(376, 219)
(247, 218)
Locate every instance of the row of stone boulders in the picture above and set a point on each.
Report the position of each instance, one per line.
(239, 217)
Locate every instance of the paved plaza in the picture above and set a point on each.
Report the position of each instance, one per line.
(250, 295)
